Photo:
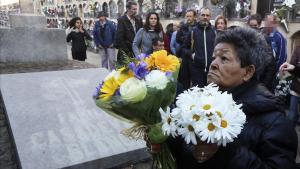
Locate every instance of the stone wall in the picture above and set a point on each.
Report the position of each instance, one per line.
(29, 41)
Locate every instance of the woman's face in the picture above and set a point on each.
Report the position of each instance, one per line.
(78, 24)
(221, 24)
(153, 20)
(225, 69)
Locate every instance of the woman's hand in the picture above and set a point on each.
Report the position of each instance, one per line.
(204, 151)
(81, 29)
(286, 67)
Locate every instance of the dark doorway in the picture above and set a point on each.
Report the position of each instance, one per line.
(266, 6)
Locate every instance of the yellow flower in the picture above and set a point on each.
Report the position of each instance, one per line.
(109, 88)
(122, 69)
(124, 76)
(150, 62)
(165, 62)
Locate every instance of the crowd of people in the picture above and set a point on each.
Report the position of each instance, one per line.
(241, 60)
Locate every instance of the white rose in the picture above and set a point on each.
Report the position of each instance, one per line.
(156, 79)
(133, 90)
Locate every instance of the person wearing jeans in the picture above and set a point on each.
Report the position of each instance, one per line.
(104, 35)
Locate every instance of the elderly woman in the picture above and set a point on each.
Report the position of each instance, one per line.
(268, 139)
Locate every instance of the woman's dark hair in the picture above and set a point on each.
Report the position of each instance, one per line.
(169, 29)
(73, 21)
(250, 46)
(256, 17)
(158, 27)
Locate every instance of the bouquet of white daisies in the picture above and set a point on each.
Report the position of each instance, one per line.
(206, 113)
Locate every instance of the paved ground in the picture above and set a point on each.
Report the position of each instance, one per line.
(8, 158)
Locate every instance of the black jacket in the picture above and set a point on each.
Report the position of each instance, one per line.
(78, 41)
(125, 32)
(267, 141)
(182, 36)
(201, 36)
(269, 72)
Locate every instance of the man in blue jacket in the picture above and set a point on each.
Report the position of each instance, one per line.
(104, 35)
(276, 40)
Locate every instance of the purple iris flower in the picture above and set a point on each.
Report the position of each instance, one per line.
(97, 91)
(140, 56)
(140, 70)
(117, 92)
(169, 76)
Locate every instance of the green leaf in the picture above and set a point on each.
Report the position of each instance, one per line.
(155, 134)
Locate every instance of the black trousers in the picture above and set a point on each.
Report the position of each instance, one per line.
(79, 55)
(198, 75)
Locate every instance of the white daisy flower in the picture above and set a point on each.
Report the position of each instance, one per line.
(186, 101)
(187, 131)
(206, 131)
(206, 113)
(168, 127)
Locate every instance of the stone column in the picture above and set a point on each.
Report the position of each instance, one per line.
(201, 3)
(26, 6)
(253, 7)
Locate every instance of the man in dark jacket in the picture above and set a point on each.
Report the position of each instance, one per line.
(104, 35)
(184, 76)
(200, 46)
(128, 25)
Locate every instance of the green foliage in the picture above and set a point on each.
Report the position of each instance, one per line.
(155, 135)
(281, 12)
(127, 57)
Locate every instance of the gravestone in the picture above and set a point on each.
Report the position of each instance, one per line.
(29, 41)
(56, 124)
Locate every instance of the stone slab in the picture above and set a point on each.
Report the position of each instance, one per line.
(32, 45)
(27, 20)
(55, 122)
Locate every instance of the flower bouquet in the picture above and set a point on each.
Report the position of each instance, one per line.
(136, 91)
(206, 113)
(283, 86)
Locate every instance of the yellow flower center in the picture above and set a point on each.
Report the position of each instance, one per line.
(224, 123)
(192, 106)
(209, 114)
(219, 114)
(211, 127)
(206, 107)
(169, 120)
(190, 128)
(196, 117)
